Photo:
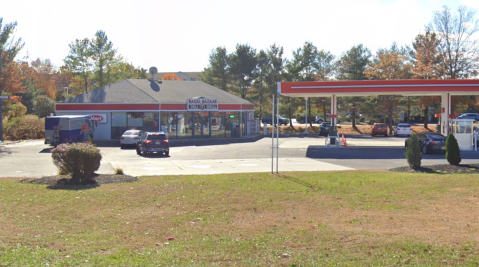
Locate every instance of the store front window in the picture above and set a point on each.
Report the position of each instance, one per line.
(122, 121)
(179, 125)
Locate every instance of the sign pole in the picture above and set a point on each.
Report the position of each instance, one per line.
(272, 137)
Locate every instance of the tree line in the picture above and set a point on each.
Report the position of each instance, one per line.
(446, 50)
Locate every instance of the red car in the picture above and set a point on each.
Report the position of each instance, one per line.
(379, 128)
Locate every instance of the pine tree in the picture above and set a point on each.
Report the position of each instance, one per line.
(413, 152)
(453, 153)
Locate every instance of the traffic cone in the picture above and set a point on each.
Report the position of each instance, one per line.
(343, 140)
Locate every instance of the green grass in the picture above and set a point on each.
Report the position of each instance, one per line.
(360, 218)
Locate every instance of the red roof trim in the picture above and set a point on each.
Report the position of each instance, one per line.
(152, 107)
(379, 86)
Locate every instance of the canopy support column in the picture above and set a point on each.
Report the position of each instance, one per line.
(445, 112)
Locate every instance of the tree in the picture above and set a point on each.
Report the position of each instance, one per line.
(275, 69)
(43, 106)
(79, 60)
(9, 49)
(217, 73)
(413, 152)
(104, 56)
(389, 64)
(325, 65)
(170, 77)
(242, 67)
(453, 153)
(426, 57)
(260, 83)
(352, 66)
(460, 52)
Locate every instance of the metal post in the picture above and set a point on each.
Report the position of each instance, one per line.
(277, 133)
(272, 137)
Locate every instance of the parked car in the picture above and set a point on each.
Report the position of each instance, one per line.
(379, 128)
(311, 119)
(324, 128)
(430, 142)
(403, 129)
(153, 142)
(319, 119)
(469, 116)
(130, 138)
(282, 120)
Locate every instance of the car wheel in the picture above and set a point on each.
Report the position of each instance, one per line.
(122, 146)
(320, 121)
(167, 153)
(424, 149)
(138, 150)
(386, 135)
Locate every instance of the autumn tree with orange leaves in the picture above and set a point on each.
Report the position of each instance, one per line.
(170, 77)
(389, 64)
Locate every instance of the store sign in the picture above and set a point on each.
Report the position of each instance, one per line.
(201, 104)
(98, 118)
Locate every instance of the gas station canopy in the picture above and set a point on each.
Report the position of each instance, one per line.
(334, 89)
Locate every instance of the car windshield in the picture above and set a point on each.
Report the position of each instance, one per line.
(436, 137)
(131, 133)
(379, 125)
(326, 124)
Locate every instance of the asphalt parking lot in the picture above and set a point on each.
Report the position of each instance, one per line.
(301, 153)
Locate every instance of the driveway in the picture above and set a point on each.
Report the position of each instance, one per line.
(306, 153)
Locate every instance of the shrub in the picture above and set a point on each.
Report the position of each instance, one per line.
(119, 171)
(81, 160)
(25, 127)
(413, 152)
(453, 153)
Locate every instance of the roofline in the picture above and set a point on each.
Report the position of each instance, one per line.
(379, 87)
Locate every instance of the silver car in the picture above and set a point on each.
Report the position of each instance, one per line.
(403, 129)
(130, 138)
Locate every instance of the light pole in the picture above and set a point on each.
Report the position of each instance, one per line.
(306, 116)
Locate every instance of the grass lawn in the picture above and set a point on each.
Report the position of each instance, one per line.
(353, 218)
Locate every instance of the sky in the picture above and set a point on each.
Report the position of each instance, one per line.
(180, 35)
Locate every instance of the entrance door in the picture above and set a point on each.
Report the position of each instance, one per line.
(201, 124)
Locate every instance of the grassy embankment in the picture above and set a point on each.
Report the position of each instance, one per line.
(359, 218)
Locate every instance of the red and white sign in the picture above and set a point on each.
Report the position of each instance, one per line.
(201, 104)
(332, 116)
(453, 116)
(99, 118)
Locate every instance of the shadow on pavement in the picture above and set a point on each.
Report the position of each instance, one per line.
(321, 152)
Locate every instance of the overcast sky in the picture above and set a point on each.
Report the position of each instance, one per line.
(180, 35)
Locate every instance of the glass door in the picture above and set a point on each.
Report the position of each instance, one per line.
(201, 124)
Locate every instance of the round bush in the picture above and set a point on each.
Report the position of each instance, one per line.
(81, 160)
